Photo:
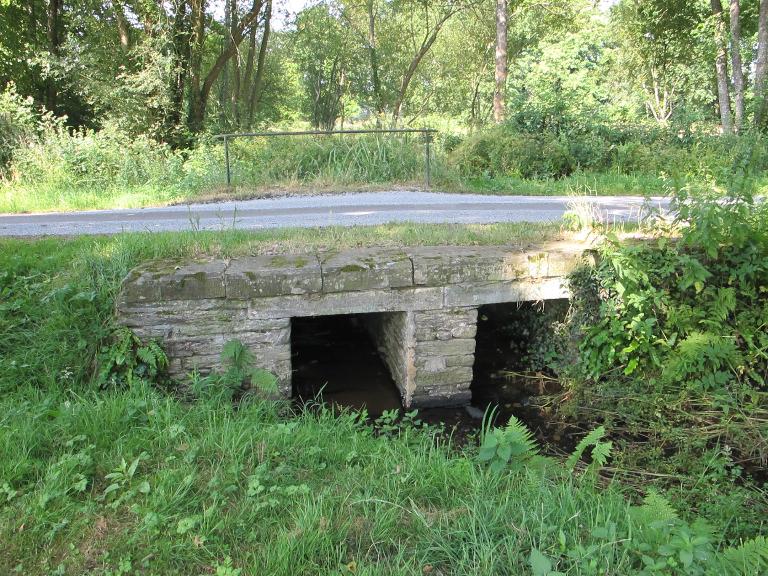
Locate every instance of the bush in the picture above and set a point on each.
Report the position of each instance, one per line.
(506, 151)
(18, 124)
(108, 157)
(673, 350)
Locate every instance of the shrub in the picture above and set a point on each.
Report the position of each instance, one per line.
(18, 124)
(673, 350)
(506, 151)
(108, 157)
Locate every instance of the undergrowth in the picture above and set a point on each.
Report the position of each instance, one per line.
(44, 166)
(104, 471)
(673, 356)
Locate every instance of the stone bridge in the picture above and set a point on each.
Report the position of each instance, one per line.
(419, 305)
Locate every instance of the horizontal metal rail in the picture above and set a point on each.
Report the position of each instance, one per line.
(326, 132)
(426, 131)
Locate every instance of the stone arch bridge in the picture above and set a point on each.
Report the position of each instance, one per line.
(419, 305)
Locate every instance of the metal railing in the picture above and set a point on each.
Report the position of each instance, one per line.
(427, 132)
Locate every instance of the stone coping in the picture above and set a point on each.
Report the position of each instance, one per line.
(356, 270)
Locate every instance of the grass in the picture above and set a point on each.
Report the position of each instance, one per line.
(20, 197)
(106, 170)
(265, 491)
(136, 480)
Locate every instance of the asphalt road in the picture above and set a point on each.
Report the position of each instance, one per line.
(328, 210)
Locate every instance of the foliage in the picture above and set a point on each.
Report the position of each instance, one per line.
(749, 557)
(239, 374)
(673, 349)
(600, 452)
(18, 124)
(511, 447)
(128, 359)
(306, 491)
(513, 151)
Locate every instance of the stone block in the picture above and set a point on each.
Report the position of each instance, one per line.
(452, 375)
(263, 276)
(444, 324)
(441, 265)
(498, 292)
(442, 398)
(463, 360)
(403, 300)
(193, 281)
(367, 269)
(455, 347)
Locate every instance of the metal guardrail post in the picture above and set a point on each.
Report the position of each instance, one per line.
(226, 159)
(427, 141)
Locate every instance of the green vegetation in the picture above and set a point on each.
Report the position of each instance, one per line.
(109, 169)
(671, 346)
(133, 481)
(108, 468)
(580, 98)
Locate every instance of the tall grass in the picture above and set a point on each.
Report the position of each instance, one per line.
(108, 169)
(266, 492)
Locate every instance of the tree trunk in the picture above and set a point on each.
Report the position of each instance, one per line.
(54, 43)
(500, 77)
(180, 61)
(761, 63)
(721, 68)
(199, 92)
(196, 103)
(417, 58)
(258, 85)
(123, 28)
(248, 74)
(235, 37)
(374, 61)
(736, 66)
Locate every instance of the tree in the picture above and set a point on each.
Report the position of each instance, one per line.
(736, 65)
(761, 63)
(721, 67)
(200, 86)
(325, 57)
(661, 52)
(500, 70)
(427, 40)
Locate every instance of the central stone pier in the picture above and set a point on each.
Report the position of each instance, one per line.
(418, 304)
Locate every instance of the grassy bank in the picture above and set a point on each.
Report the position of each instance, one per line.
(110, 169)
(135, 480)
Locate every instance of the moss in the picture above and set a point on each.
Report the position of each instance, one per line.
(353, 268)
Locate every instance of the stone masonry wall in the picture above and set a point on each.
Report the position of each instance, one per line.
(445, 354)
(425, 298)
(193, 334)
(392, 333)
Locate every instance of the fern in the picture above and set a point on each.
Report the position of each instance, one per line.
(508, 447)
(701, 352)
(750, 557)
(601, 451)
(655, 508)
(127, 359)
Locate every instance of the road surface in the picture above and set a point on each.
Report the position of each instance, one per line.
(366, 208)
